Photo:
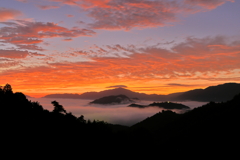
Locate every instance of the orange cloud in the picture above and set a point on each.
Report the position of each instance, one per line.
(8, 14)
(117, 86)
(209, 4)
(67, 2)
(30, 47)
(95, 3)
(46, 7)
(127, 14)
(13, 53)
(190, 62)
(24, 1)
(32, 33)
(6, 63)
(84, 3)
(69, 15)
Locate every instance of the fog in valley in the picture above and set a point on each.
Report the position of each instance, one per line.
(115, 114)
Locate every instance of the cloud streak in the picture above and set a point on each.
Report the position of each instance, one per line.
(46, 7)
(209, 4)
(27, 35)
(17, 54)
(117, 86)
(9, 14)
(13, 54)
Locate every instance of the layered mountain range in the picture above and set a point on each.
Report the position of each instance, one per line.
(222, 92)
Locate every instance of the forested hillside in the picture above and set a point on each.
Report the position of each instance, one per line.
(211, 128)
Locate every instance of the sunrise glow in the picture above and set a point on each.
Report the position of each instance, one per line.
(149, 46)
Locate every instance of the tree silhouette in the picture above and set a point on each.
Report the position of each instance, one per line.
(1, 92)
(58, 108)
(36, 106)
(81, 119)
(7, 89)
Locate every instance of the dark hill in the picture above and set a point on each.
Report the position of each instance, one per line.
(217, 93)
(213, 126)
(119, 99)
(209, 129)
(169, 105)
(137, 105)
(159, 120)
(165, 105)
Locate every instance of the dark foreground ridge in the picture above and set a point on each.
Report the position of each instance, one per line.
(212, 129)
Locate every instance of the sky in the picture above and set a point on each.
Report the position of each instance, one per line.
(148, 46)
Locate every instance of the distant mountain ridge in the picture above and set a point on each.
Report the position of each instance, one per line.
(222, 92)
(112, 92)
(219, 93)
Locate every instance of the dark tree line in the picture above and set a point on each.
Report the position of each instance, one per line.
(27, 122)
(27, 126)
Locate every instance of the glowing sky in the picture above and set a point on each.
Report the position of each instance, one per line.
(151, 46)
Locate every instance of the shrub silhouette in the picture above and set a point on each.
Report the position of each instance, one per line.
(58, 108)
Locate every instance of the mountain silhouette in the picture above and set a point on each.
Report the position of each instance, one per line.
(119, 99)
(169, 105)
(65, 95)
(114, 92)
(208, 129)
(222, 92)
(165, 105)
(217, 93)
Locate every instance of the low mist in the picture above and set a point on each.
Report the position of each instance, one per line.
(115, 114)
